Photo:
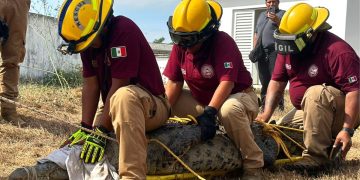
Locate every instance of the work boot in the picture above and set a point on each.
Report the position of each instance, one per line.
(252, 174)
(11, 116)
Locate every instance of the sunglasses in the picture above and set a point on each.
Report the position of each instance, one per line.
(184, 39)
(189, 39)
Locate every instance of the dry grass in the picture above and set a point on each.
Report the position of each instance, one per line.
(23, 146)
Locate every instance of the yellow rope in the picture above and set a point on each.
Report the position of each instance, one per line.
(288, 128)
(269, 129)
(177, 158)
(185, 120)
(285, 161)
(288, 137)
(184, 175)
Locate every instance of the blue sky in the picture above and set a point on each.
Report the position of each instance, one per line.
(150, 15)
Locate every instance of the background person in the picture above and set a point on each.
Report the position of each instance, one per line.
(267, 23)
(210, 63)
(13, 17)
(120, 67)
(323, 71)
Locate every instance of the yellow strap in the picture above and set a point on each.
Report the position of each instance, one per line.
(284, 148)
(273, 131)
(285, 161)
(288, 128)
(184, 175)
(185, 120)
(288, 137)
(177, 158)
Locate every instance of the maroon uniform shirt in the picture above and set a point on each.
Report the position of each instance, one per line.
(125, 54)
(331, 61)
(219, 59)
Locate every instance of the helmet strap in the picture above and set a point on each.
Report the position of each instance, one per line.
(211, 27)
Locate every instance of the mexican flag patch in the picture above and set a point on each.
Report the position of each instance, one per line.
(117, 52)
(352, 79)
(228, 65)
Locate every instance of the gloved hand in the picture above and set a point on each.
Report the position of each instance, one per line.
(77, 136)
(207, 123)
(94, 146)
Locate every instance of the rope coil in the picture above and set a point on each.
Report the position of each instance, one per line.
(274, 131)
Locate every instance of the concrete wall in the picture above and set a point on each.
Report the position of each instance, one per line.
(41, 55)
(42, 58)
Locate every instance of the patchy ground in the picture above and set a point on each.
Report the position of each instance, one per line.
(42, 134)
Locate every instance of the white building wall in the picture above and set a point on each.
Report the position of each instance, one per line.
(337, 18)
(352, 32)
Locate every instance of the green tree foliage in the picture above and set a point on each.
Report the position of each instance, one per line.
(160, 40)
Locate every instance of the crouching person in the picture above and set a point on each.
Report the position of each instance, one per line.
(120, 68)
(210, 63)
(323, 72)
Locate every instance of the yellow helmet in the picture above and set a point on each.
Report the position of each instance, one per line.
(80, 21)
(297, 27)
(194, 15)
(302, 17)
(194, 21)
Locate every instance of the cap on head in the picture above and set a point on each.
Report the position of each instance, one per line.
(80, 21)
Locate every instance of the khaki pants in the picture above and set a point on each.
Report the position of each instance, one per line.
(294, 116)
(236, 114)
(322, 115)
(14, 13)
(132, 112)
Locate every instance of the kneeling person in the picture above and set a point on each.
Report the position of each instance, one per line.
(323, 71)
(120, 68)
(210, 63)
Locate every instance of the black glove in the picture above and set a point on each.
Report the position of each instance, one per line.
(207, 123)
(4, 32)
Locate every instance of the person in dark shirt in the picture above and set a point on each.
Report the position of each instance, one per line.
(211, 64)
(267, 23)
(323, 71)
(120, 67)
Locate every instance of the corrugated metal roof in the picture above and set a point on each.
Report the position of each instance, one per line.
(161, 49)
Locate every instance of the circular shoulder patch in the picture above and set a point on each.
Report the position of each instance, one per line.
(313, 70)
(207, 71)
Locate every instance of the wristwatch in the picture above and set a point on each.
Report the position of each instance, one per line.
(348, 130)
